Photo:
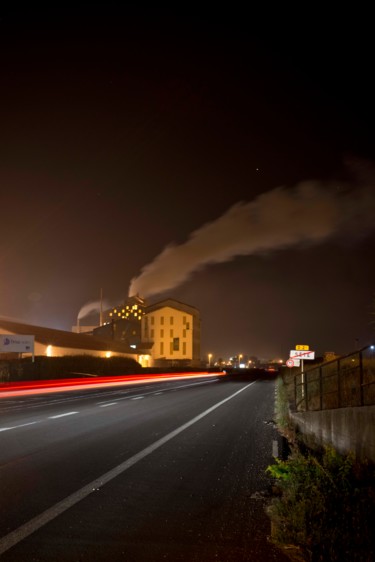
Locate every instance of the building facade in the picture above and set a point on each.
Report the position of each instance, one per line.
(173, 329)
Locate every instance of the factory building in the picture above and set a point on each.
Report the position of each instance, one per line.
(123, 323)
(169, 329)
(165, 335)
(173, 329)
(57, 343)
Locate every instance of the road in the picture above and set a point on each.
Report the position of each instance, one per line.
(173, 470)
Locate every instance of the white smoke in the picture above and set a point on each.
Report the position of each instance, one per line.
(310, 213)
(91, 307)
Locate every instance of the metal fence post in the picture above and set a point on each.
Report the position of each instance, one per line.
(320, 389)
(305, 391)
(361, 378)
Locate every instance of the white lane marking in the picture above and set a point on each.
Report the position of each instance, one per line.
(157, 393)
(137, 398)
(48, 515)
(275, 449)
(17, 426)
(62, 415)
(105, 405)
(165, 390)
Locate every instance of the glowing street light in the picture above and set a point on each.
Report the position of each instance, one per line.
(209, 359)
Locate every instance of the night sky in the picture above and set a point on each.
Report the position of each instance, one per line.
(128, 133)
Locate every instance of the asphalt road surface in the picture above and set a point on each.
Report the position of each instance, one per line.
(151, 472)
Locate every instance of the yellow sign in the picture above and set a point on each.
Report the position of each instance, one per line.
(302, 347)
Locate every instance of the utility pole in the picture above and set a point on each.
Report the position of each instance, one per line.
(101, 308)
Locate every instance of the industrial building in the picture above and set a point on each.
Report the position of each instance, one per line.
(165, 334)
(173, 329)
(57, 343)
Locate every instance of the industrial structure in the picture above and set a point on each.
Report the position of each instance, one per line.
(165, 334)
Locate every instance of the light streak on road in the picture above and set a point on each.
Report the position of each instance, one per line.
(28, 388)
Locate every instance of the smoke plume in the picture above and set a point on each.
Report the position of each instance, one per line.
(89, 308)
(308, 214)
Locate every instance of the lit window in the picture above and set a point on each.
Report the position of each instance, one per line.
(110, 314)
(119, 314)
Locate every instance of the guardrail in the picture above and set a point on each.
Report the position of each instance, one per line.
(344, 382)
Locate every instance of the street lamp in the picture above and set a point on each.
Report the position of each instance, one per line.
(209, 359)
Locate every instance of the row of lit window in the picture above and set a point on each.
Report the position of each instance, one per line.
(171, 321)
(126, 315)
(171, 333)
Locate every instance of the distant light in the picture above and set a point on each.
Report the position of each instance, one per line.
(242, 365)
(108, 354)
(133, 346)
(49, 351)
(372, 346)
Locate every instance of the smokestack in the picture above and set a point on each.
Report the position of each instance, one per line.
(101, 308)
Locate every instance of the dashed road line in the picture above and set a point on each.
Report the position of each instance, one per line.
(25, 530)
(62, 415)
(275, 449)
(17, 426)
(105, 404)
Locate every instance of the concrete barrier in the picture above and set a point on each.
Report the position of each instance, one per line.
(346, 429)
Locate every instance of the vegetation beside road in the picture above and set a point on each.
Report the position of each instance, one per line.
(324, 503)
(45, 368)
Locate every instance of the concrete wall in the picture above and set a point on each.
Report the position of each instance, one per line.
(347, 429)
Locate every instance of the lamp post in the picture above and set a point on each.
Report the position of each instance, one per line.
(209, 359)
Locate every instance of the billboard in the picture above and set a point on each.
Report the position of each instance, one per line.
(10, 343)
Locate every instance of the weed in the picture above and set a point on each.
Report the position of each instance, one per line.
(326, 506)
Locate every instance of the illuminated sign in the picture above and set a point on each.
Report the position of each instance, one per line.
(302, 347)
(295, 353)
(13, 343)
